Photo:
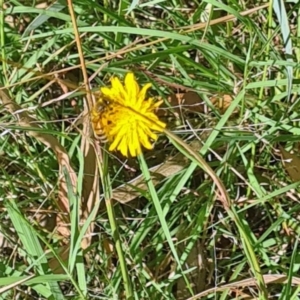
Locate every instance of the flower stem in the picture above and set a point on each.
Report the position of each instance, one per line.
(115, 233)
(118, 245)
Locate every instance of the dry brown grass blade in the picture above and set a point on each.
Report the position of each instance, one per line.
(189, 101)
(54, 264)
(291, 163)
(81, 57)
(15, 284)
(90, 189)
(198, 260)
(269, 279)
(202, 25)
(222, 102)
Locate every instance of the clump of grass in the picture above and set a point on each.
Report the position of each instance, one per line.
(217, 218)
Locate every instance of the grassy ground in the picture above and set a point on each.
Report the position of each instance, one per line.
(215, 211)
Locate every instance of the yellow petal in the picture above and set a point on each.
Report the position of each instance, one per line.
(150, 134)
(108, 93)
(158, 126)
(142, 94)
(154, 123)
(135, 147)
(119, 90)
(123, 147)
(157, 104)
(117, 85)
(132, 149)
(123, 130)
(144, 139)
(132, 88)
(116, 142)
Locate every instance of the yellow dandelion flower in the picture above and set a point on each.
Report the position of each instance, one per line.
(125, 117)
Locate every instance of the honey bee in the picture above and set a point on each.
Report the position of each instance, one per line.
(100, 108)
(93, 118)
